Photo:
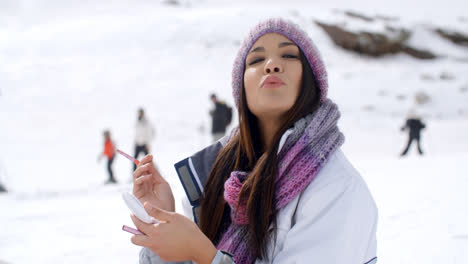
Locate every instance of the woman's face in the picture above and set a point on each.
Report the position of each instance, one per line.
(272, 77)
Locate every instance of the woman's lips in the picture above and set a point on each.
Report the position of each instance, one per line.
(272, 82)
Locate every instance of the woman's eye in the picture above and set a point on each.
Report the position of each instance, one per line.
(290, 56)
(256, 61)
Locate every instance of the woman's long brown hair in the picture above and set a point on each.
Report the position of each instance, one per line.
(244, 152)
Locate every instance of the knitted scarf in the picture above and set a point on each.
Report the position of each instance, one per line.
(306, 150)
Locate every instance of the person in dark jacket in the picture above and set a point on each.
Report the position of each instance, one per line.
(220, 118)
(414, 126)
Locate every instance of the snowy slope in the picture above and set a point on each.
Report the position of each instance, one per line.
(70, 69)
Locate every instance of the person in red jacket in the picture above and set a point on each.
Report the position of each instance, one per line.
(109, 152)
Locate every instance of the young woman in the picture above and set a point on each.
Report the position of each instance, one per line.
(278, 189)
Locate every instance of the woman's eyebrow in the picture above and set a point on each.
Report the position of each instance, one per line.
(257, 49)
(284, 44)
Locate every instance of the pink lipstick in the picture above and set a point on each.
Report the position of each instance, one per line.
(128, 157)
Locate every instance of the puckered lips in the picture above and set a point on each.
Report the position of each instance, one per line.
(271, 82)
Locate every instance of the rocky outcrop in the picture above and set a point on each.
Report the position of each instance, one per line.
(443, 76)
(417, 53)
(359, 16)
(453, 36)
(374, 44)
(172, 2)
(366, 18)
(422, 98)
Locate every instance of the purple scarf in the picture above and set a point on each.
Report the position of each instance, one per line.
(306, 150)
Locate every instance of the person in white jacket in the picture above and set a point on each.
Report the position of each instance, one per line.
(144, 134)
(278, 189)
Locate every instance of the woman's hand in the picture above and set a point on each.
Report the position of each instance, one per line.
(150, 186)
(175, 238)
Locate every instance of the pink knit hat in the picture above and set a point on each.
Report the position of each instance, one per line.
(292, 32)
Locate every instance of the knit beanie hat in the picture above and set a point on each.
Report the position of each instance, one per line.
(292, 32)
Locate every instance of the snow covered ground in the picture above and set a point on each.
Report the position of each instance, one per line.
(70, 69)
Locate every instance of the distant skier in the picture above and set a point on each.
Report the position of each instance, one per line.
(221, 117)
(144, 134)
(109, 152)
(2, 187)
(414, 126)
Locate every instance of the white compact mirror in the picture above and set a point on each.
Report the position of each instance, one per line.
(137, 208)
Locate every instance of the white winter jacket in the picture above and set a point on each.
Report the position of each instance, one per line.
(333, 221)
(144, 132)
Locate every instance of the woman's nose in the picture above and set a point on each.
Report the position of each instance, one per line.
(273, 65)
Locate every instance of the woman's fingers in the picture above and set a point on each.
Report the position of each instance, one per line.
(158, 213)
(142, 169)
(142, 226)
(146, 159)
(158, 177)
(141, 240)
(139, 188)
(142, 179)
(147, 166)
